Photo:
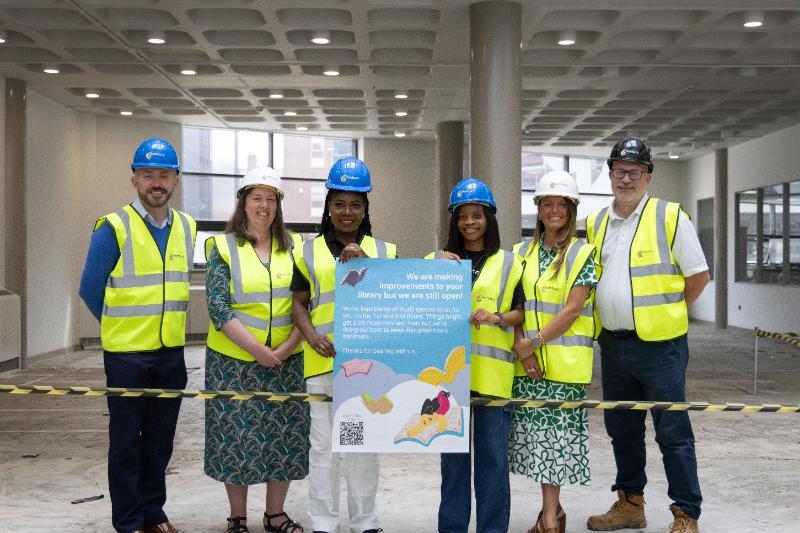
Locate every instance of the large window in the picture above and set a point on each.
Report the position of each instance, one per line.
(215, 160)
(591, 175)
(767, 229)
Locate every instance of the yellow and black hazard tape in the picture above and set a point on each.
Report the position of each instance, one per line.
(788, 338)
(304, 397)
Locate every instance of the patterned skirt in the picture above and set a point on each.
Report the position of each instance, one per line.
(550, 445)
(249, 442)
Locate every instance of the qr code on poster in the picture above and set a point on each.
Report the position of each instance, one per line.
(351, 433)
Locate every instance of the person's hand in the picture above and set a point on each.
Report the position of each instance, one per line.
(323, 346)
(482, 316)
(451, 256)
(524, 348)
(350, 251)
(532, 368)
(267, 358)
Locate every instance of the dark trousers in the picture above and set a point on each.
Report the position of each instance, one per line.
(140, 432)
(491, 429)
(633, 369)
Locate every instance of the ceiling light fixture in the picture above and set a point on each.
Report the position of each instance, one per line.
(330, 71)
(302, 128)
(321, 37)
(400, 113)
(126, 113)
(753, 19)
(3, 36)
(188, 70)
(566, 38)
(51, 69)
(401, 95)
(275, 94)
(157, 37)
(290, 113)
(92, 93)
(674, 155)
(399, 134)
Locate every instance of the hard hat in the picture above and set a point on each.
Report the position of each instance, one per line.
(262, 177)
(349, 174)
(471, 191)
(156, 153)
(633, 150)
(557, 183)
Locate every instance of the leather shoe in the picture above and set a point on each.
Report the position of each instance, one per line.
(166, 527)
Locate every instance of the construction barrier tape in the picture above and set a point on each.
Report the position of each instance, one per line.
(303, 397)
(788, 338)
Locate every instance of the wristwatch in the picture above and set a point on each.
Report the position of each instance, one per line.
(537, 341)
(499, 316)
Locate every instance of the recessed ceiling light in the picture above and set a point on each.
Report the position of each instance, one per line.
(753, 19)
(290, 113)
(188, 70)
(330, 71)
(51, 69)
(321, 37)
(157, 37)
(301, 128)
(400, 113)
(126, 113)
(399, 134)
(566, 38)
(674, 155)
(401, 95)
(3, 36)
(275, 94)
(92, 93)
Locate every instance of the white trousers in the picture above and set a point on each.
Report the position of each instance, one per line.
(323, 472)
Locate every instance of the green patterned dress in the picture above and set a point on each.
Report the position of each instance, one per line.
(250, 442)
(551, 445)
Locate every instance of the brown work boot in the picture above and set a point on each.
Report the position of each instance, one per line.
(682, 522)
(627, 512)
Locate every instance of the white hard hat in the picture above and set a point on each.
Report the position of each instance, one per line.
(262, 177)
(557, 183)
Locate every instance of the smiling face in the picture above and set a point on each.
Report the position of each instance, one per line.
(260, 207)
(554, 212)
(626, 191)
(347, 211)
(155, 185)
(472, 226)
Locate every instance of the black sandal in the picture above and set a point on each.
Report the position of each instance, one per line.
(235, 525)
(287, 526)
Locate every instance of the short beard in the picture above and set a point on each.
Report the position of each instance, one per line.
(146, 201)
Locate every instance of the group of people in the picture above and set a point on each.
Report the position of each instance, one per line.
(536, 311)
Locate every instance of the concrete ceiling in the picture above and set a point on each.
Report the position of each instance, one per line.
(685, 74)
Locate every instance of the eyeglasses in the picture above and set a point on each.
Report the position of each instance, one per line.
(634, 175)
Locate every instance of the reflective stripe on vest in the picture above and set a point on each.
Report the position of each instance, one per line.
(316, 263)
(657, 283)
(260, 295)
(567, 358)
(146, 296)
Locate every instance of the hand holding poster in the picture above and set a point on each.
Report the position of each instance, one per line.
(401, 374)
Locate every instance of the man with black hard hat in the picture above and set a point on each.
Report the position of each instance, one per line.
(652, 268)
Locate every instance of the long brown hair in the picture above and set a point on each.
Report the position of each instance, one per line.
(565, 235)
(238, 223)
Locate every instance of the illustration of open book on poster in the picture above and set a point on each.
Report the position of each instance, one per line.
(416, 429)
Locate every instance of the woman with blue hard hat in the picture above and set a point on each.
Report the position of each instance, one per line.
(253, 345)
(346, 232)
(474, 235)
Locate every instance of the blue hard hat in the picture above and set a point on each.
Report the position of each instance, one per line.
(471, 191)
(156, 153)
(349, 174)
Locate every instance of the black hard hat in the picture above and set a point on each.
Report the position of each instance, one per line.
(633, 150)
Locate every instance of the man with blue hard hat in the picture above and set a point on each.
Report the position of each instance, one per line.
(136, 283)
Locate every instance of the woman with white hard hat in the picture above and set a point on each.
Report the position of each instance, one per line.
(474, 235)
(554, 350)
(253, 345)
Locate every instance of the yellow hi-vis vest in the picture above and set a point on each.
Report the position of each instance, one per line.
(491, 358)
(260, 295)
(146, 296)
(568, 358)
(316, 263)
(657, 284)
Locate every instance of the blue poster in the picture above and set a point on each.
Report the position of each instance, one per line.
(401, 373)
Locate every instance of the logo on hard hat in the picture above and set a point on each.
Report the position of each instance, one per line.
(623, 151)
(343, 178)
(472, 186)
(148, 155)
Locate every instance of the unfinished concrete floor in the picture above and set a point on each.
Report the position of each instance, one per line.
(749, 464)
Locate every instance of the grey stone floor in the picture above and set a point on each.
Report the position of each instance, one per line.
(749, 463)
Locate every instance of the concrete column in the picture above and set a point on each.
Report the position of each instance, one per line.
(495, 147)
(449, 171)
(721, 238)
(14, 231)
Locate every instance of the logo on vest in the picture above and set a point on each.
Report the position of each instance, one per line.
(548, 288)
(172, 257)
(643, 253)
(480, 298)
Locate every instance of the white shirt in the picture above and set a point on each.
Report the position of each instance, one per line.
(137, 204)
(613, 297)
